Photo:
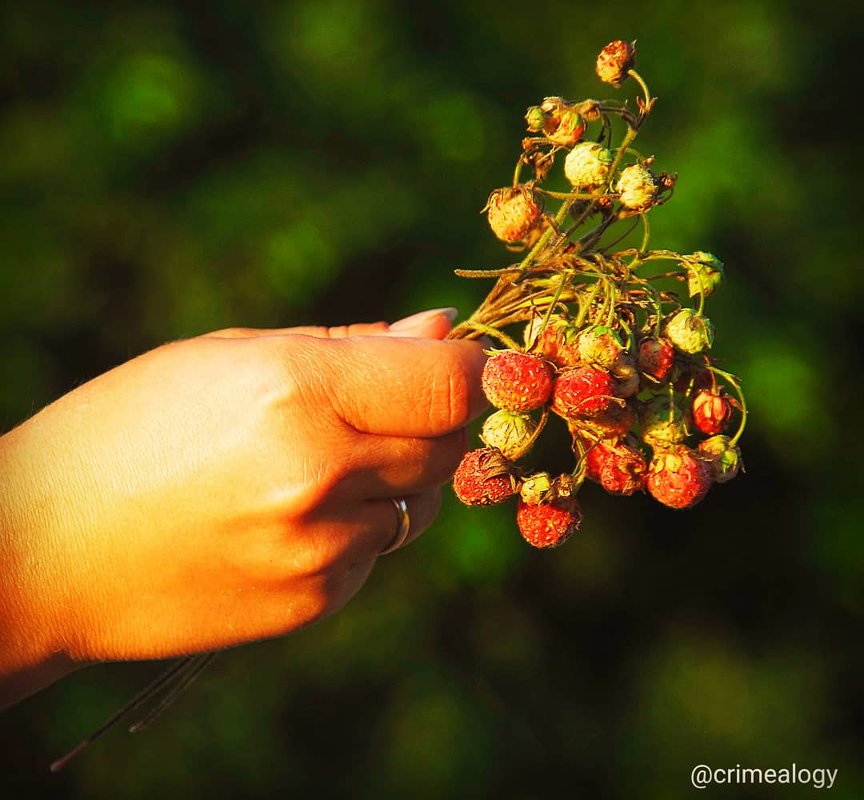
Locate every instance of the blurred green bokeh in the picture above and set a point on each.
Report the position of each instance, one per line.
(172, 168)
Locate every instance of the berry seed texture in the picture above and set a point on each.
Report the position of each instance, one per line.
(615, 341)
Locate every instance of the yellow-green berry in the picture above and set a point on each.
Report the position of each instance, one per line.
(510, 432)
(690, 332)
(587, 165)
(704, 272)
(636, 187)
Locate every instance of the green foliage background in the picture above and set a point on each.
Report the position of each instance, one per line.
(168, 168)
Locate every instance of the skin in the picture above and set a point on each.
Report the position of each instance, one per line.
(221, 489)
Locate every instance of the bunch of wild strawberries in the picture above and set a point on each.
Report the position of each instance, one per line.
(604, 339)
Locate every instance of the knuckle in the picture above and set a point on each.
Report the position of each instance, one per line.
(230, 333)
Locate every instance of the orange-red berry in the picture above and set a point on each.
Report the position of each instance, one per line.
(549, 524)
(517, 381)
(679, 477)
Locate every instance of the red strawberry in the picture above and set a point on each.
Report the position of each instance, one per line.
(583, 391)
(618, 468)
(711, 411)
(679, 477)
(484, 478)
(655, 358)
(517, 381)
(614, 61)
(549, 524)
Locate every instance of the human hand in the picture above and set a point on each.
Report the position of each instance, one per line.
(225, 488)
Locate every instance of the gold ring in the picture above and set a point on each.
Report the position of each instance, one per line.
(404, 526)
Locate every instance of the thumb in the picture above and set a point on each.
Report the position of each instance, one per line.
(432, 324)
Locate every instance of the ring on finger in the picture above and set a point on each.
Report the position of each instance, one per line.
(403, 525)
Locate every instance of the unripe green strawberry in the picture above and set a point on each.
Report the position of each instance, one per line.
(587, 165)
(690, 332)
(513, 213)
(619, 468)
(484, 477)
(614, 61)
(549, 524)
(535, 118)
(704, 272)
(723, 456)
(662, 422)
(583, 392)
(510, 432)
(636, 187)
(599, 346)
(711, 411)
(537, 488)
(655, 358)
(679, 477)
(516, 381)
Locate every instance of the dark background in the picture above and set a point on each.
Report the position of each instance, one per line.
(171, 168)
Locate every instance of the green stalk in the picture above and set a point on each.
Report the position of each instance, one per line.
(733, 381)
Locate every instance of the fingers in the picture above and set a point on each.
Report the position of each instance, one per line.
(405, 387)
(422, 510)
(318, 331)
(432, 324)
(394, 466)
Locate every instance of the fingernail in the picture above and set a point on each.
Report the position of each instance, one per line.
(415, 320)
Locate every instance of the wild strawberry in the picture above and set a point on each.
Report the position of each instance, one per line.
(724, 457)
(556, 341)
(569, 129)
(655, 358)
(535, 119)
(510, 432)
(549, 524)
(614, 423)
(711, 412)
(587, 165)
(662, 422)
(484, 477)
(636, 187)
(583, 391)
(689, 331)
(704, 272)
(558, 120)
(679, 477)
(617, 467)
(513, 212)
(516, 381)
(626, 376)
(599, 346)
(537, 488)
(614, 61)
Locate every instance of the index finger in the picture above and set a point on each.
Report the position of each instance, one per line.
(405, 387)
